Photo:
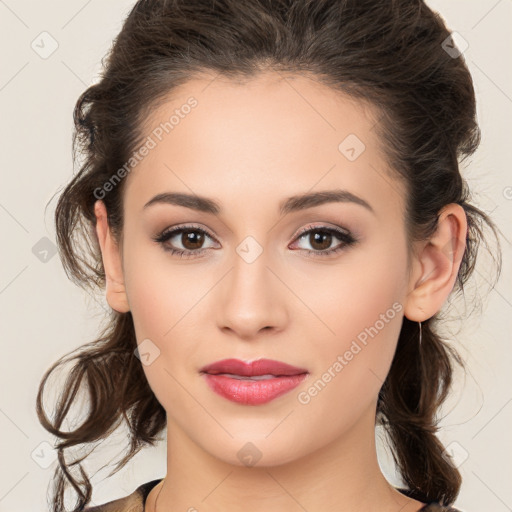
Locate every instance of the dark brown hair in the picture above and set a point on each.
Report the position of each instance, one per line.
(390, 54)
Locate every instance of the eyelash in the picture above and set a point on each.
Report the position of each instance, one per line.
(346, 238)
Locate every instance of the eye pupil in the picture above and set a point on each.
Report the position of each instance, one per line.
(319, 237)
(194, 237)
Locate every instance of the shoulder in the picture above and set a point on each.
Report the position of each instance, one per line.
(436, 507)
(433, 506)
(127, 504)
(134, 502)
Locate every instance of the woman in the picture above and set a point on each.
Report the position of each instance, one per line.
(271, 197)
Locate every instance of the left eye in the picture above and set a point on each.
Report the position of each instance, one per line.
(192, 238)
(321, 238)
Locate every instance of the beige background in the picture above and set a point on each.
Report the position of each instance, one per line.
(45, 316)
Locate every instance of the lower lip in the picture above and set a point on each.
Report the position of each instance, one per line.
(252, 392)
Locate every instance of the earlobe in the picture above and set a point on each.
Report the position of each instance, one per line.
(437, 265)
(111, 256)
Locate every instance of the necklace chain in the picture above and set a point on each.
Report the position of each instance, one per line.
(158, 496)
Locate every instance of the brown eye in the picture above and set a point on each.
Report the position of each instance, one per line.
(321, 239)
(192, 239)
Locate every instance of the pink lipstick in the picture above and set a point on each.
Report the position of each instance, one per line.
(253, 383)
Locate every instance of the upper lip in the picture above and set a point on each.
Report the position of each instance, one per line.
(249, 369)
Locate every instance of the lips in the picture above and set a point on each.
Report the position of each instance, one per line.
(261, 369)
(254, 383)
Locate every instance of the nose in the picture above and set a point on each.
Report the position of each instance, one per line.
(252, 297)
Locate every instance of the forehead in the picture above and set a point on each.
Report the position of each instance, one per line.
(268, 137)
(294, 105)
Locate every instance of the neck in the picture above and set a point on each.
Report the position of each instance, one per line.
(344, 476)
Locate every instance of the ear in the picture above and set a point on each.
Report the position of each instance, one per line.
(436, 265)
(112, 262)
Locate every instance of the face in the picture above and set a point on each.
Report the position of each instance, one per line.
(317, 283)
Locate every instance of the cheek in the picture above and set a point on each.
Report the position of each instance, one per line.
(355, 295)
(159, 293)
(362, 312)
(165, 302)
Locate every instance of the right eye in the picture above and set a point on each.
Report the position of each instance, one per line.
(190, 237)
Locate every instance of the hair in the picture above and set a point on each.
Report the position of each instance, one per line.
(389, 55)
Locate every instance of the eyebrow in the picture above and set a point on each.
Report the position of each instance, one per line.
(291, 204)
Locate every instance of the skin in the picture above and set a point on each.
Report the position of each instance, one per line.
(250, 146)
